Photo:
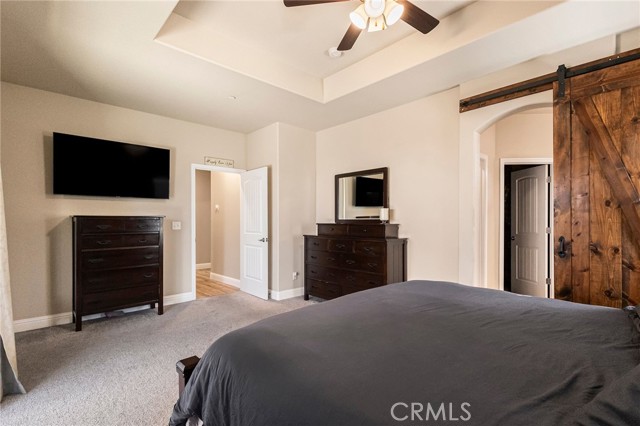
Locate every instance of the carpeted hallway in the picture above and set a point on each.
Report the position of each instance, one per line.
(121, 370)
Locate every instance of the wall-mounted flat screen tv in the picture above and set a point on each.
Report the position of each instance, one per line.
(97, 167)
(368, 192)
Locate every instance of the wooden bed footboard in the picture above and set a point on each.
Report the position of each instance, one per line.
(185, 367)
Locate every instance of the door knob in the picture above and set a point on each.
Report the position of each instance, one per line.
(264, 240)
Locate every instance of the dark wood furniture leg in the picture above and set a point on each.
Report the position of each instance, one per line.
(185, 367)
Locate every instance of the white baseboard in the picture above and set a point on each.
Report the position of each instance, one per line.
(234, 282)
(203, 265)
(67, 317)
(287, 294)
(41, 322)
(179, 298)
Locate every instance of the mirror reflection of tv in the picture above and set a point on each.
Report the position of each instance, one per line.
(98, 167)
(368, 192)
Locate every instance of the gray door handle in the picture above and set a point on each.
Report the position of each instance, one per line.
(264, 240)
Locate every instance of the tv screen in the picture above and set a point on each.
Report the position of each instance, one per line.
(97, 167)
(368, 192)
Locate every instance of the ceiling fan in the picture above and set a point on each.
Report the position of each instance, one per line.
(377, 15)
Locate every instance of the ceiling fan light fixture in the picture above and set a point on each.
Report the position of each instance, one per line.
(393, 12)
(377, 24)
(374, 8)
(359, 17)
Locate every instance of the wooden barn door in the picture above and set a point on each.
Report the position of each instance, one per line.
(596, 187)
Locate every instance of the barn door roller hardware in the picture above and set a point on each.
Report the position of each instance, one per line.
(561, 76)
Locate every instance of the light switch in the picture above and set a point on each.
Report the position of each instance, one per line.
(176, 225)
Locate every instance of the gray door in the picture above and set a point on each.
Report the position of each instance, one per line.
(529, 238)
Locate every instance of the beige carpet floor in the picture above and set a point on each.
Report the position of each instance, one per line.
(121, 370)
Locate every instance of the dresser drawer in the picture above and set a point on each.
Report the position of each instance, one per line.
(105, 241)
(312, 243)
(367, 231)
(331, 229)
(98, 225)
(323, 273)
(362, 263)
(322, 289)
(371, 248)
(104, 259)
(118, 299)
(341, 246)
(324, 258)
(361, 280)
(142, 225)
(101, 280)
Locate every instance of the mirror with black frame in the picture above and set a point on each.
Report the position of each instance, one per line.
(360, 195)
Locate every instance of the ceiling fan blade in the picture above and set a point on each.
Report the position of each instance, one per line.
(418, 18)
(292, 3)
(349, 38)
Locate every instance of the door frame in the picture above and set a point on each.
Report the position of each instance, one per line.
(203, 167)
(523, 161)
(484, 189)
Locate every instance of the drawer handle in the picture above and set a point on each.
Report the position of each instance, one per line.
(143, 240)
(315, 243)
(331, 259)
(350, 262)
(313, 272)
(340, 246)
(368, 249)
(364, 229)
(148, 275)
(103, 242)
(95, 260)
(141, 226)
(372, 265)
(313, 257)
(149, 256)
(103, 227)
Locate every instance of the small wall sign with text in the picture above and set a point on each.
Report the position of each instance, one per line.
(221, 162)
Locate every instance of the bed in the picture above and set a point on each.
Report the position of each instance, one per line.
(423, 352)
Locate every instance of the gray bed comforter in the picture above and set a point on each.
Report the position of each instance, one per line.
(423, 352)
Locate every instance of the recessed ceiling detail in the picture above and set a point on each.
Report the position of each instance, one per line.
(477, 37)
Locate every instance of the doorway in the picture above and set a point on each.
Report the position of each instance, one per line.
(526, 227)
(216, 236)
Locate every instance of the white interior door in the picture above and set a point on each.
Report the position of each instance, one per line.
(254, 233)
(529, 211)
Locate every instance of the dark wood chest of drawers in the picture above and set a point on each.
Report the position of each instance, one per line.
(346, 258)
(117, 264)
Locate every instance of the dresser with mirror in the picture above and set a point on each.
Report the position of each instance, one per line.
(360, 250)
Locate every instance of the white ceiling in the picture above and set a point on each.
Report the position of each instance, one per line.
(186, 59)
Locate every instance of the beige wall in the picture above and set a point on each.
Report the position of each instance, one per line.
(203, 217)
(418, 142)
(289, 152)
(297, 201)
(39, 224)
(225, 224)
(523, 135)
